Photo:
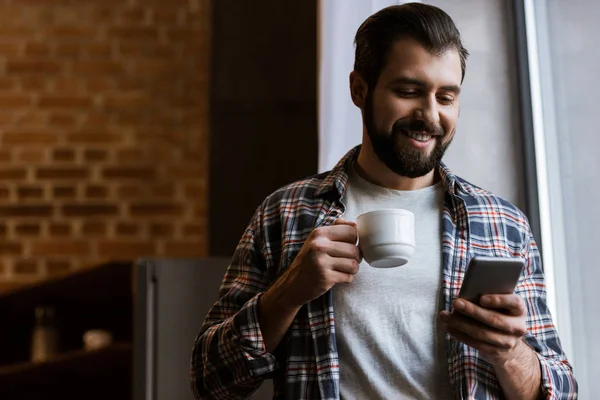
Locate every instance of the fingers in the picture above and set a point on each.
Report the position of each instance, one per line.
(513, 325)
(512, 303)
(345, 265)
(342, 277)
(343, 231)
(460, 325)
(342, 250)
(342, 221)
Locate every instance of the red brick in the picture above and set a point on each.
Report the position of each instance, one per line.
(58, 267)
(194, 230)
(3, 230)
(97, 84)
(71, 32)
(7, 84)
(60, 247)
(16, 31)
(33, 83)
(129, 192)
(37, 49)
(64, 192)
(10, 48)
(63, 155)
(93, 68)
(134, 16)
(103, 14)
(15, 101)
(68, 50)
(96, 121)
(99, 50)
(65, 101)
(37, 137)
(159, 68)
(62, 119)
(32, 119)
(155, 210)
(127, 100)
(96, 192)
(26, 267)
(126, 229)
(4, 192)
(93, 229)
(195, 191)
(128, 155)
(161, 230)
(26, 210)
(32, 156)
(167, 190)
(58, 229)
(133, 33)
(129, 173)
(177, 35)
(164, 16)
(12, 174)
(90, 210)
(184, 249)
(62, 173)
(33, 67)
(5, 156)
(122, 250)
(10, 248)
(28, 229)
(95, 155)
(30, 192)
(91, 137)
(130, 117)
(69, 84)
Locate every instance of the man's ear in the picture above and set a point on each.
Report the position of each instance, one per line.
(358, 89)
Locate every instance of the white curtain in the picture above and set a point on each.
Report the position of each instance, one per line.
(340, 124)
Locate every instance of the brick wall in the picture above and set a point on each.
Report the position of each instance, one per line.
(103, 129)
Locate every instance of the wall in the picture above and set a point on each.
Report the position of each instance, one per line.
(487, 149)
(103, 132)
(573, 32)
(263, 108)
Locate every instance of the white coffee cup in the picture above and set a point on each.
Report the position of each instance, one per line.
(386, 237)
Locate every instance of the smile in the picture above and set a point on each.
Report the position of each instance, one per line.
(419, 137)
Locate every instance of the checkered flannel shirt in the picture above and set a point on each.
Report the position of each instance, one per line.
(229, 359)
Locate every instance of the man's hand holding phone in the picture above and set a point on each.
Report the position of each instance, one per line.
(488, 315)
(495, 328)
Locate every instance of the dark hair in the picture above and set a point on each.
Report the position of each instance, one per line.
(428, 25)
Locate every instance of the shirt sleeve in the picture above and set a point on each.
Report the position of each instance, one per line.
(557, 377)
(229, 359)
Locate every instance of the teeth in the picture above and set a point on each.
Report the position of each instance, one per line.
(420, 138)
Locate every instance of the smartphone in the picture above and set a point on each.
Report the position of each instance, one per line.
(491, 275)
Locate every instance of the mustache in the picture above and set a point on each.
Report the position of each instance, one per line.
(416, 125)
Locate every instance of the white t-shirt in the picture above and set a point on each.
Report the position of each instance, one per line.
(389, 341)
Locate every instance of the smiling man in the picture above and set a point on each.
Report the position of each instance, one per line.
(299, 305)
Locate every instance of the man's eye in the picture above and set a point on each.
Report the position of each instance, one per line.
(406, 93)
(446, 100)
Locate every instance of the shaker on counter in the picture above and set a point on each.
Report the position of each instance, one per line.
(44, 340)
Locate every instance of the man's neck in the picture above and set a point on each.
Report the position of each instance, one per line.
(370, 168)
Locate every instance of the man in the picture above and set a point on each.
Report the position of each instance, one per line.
(299, 306)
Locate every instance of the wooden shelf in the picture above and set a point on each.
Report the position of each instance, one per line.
(70, 373)
(96, 298)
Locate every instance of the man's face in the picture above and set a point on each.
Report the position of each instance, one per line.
(411, 113)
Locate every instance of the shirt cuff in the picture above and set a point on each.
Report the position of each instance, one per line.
(250, 339)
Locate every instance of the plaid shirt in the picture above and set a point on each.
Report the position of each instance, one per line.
(229, 359)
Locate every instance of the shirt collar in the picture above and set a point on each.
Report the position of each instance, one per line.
(337, 179)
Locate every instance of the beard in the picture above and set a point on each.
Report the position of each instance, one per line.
(402, 158)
